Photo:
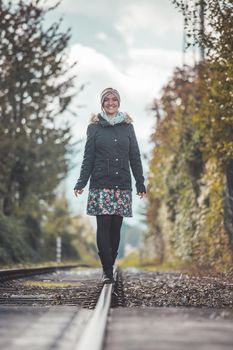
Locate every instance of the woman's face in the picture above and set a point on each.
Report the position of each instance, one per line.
(110, 104)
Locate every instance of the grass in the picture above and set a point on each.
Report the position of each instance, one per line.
(134, 260)
(131, 260)
(51, 284)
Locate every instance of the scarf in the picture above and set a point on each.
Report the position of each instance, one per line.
(118, 118)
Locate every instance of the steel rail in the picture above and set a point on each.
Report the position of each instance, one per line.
(11, 274)
(93, 335)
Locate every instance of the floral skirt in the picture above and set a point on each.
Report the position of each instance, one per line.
(106, 201)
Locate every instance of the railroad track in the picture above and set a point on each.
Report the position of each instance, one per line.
(55, 287)
(99, 299)
(97, 324)
(12, 274)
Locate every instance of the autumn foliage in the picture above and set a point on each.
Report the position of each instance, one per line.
(190, 209)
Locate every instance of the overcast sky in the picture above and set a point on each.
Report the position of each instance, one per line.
(132, 46)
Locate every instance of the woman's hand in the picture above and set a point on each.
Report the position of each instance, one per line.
(77, 192)
(141, 194)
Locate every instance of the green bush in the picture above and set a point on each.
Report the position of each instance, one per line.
(14, 243)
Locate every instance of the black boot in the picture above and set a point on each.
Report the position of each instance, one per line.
(107, 276)
(106, 261)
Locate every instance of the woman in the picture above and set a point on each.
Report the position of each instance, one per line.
(111, 147)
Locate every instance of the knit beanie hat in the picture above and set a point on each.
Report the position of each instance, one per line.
(108, 91)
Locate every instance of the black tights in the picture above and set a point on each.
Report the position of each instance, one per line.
(108, 236)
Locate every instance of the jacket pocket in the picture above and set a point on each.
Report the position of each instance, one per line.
(101, 168)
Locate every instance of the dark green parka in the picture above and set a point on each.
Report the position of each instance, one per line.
(109, 153)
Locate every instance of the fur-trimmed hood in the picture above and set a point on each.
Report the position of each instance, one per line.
(94, 119)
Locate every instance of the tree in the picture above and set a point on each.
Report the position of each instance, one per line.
(191, 206)
(77, 237)
(35, 85)
(175, 169)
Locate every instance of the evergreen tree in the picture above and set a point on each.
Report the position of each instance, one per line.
(35, 85)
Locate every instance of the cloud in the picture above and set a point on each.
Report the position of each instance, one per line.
(102, 36)
(152, 19)
(141, 80)
(86, 7)
(136, 20)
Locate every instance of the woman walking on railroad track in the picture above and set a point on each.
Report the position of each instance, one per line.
(111, 149)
